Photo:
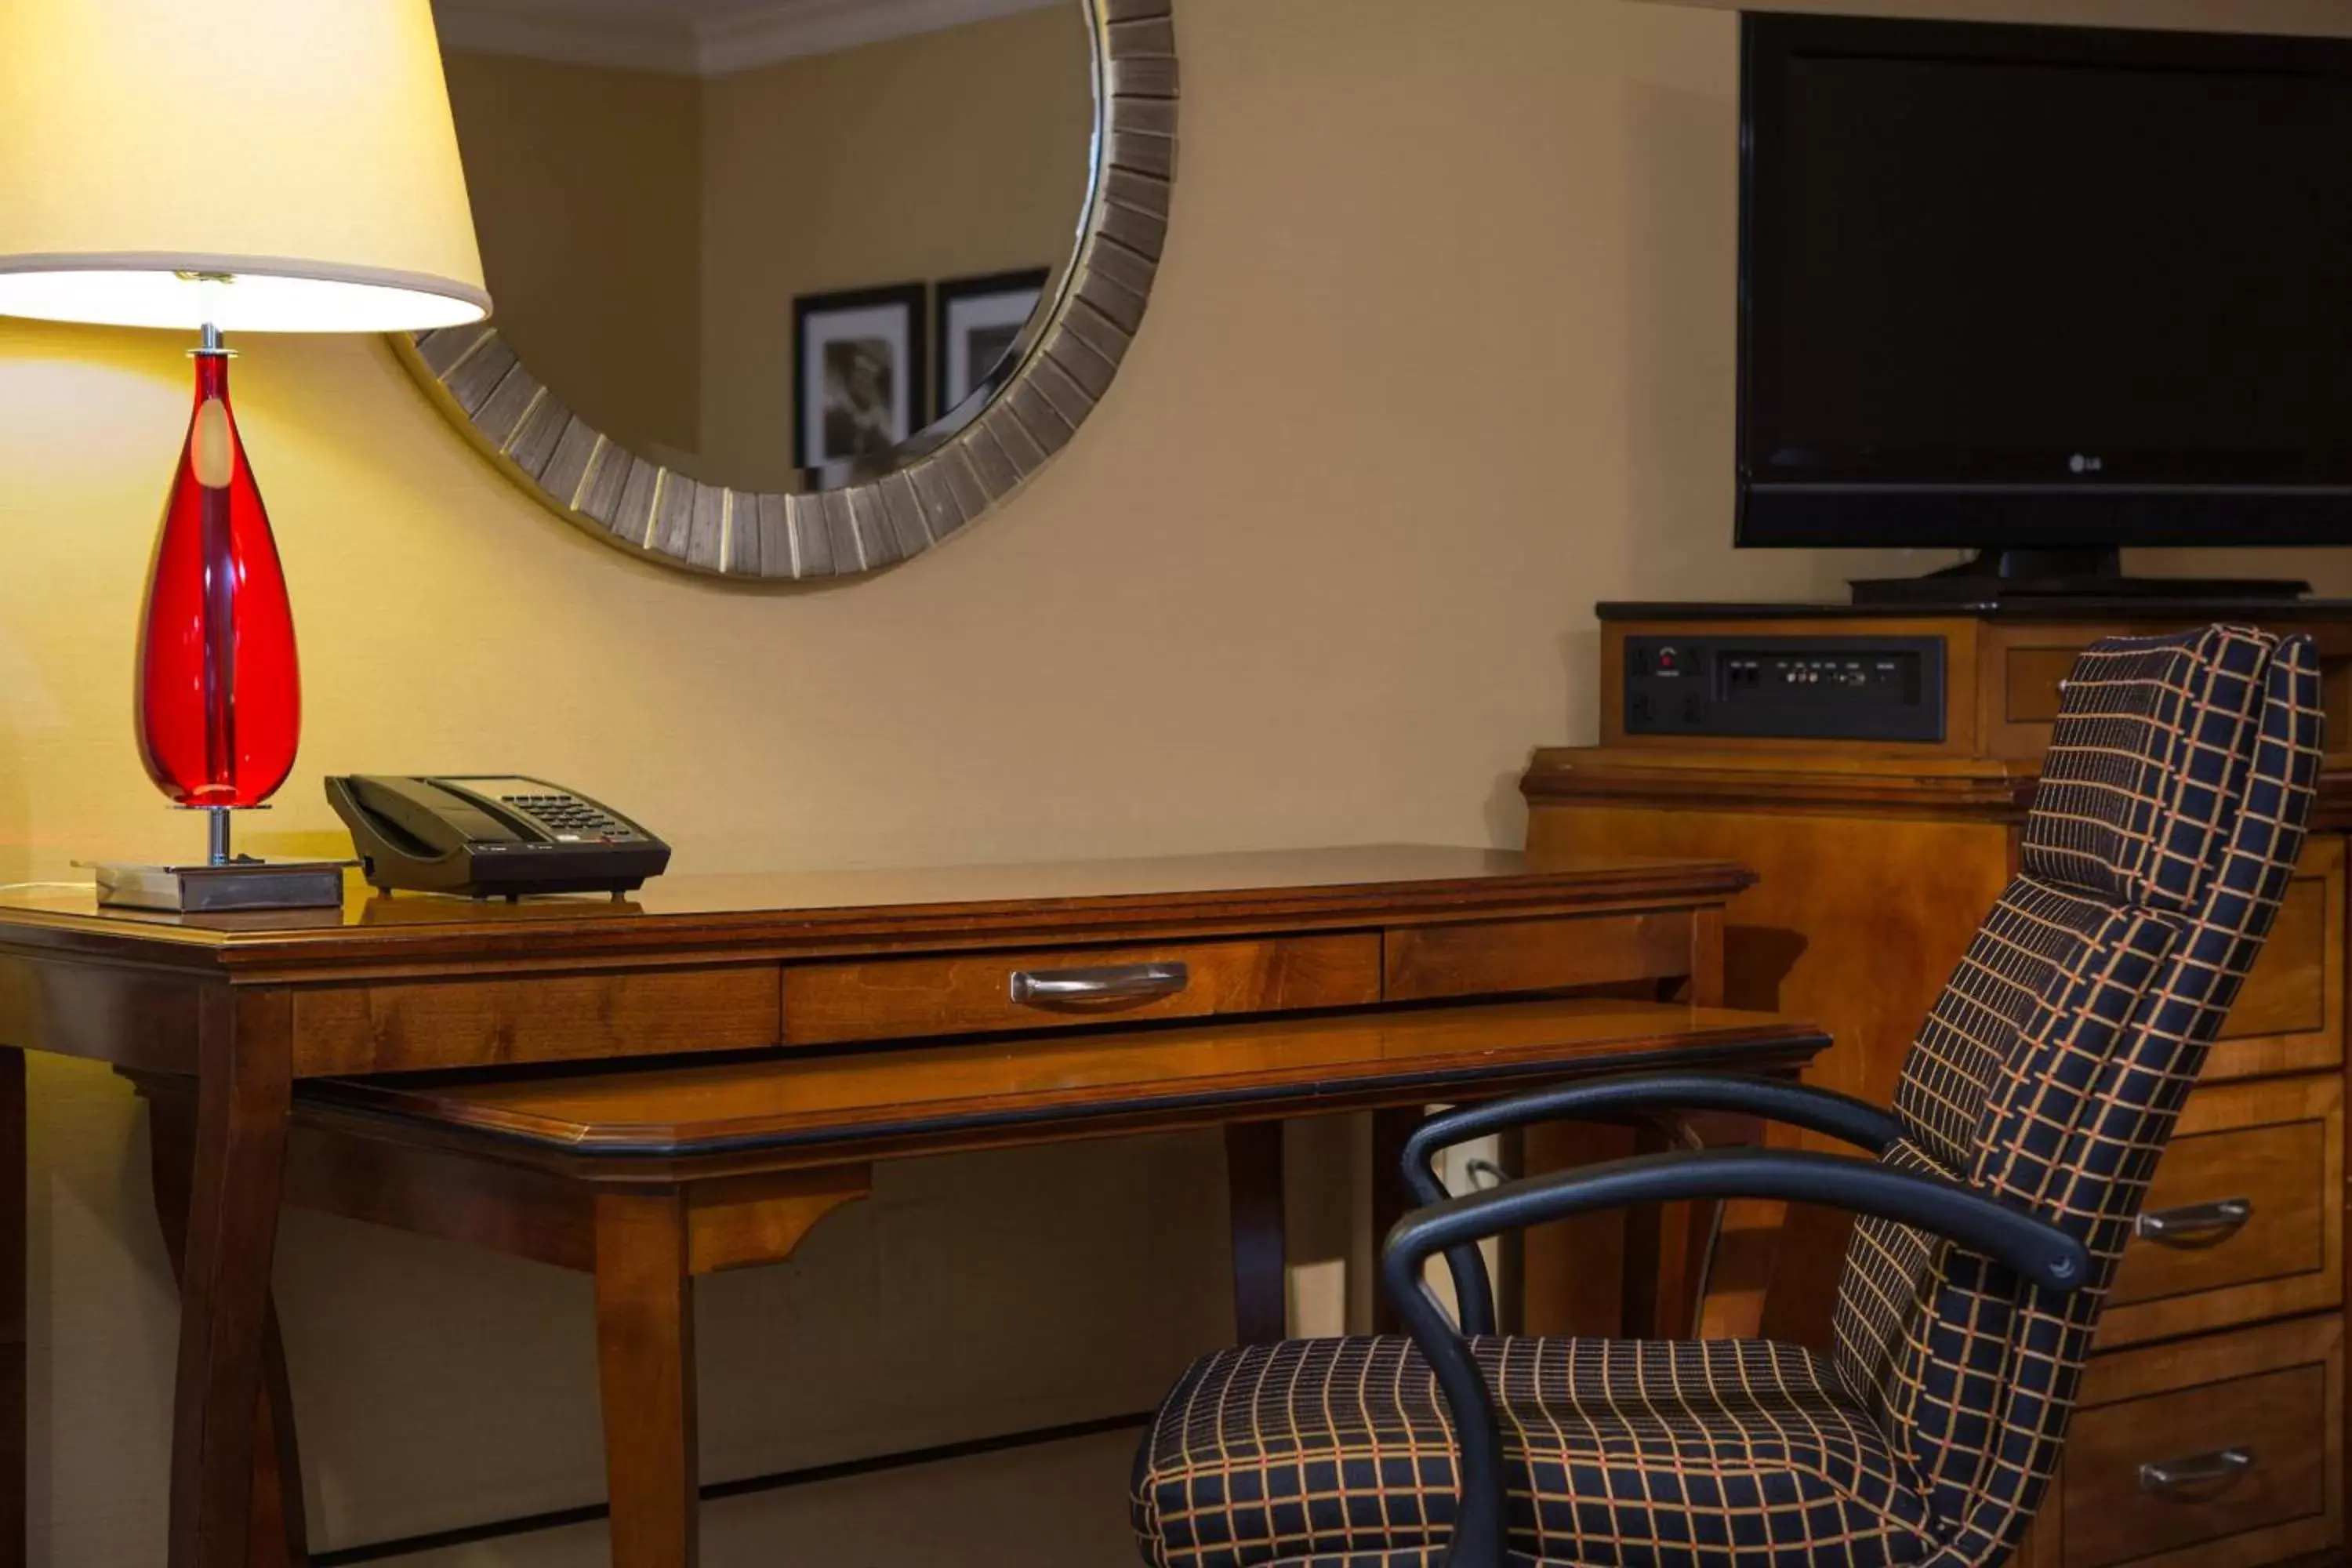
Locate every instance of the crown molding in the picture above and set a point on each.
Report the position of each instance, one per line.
(539, 32)
(789, 29)
(801, 27)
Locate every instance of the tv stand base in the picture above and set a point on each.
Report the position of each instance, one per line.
(2012, 576)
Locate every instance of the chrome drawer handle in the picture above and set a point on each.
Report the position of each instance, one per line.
(2224, 1465)
(1121, 982)
(2201, 1225)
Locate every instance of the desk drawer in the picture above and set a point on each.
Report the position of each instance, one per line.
(420, 1024)
(1494, 958)
(2244, 1220)
(979, 992)
(2217, 1450)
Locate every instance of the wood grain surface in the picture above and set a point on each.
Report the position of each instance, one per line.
(2290, 1017)
(2278, 1389)
(644, 1357)
(2287, 991)
(1171, 1075)
(885, 999)
(686, 918)
(236, 1174)
(417, 1024)
(2278, 1142)
(1855, 921)
(1255, 1208)
(2278, 1418)
(761, 1219)
(277, 1529)
(1486, 958)
(230, 1010)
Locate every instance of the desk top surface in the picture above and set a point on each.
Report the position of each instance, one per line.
(746, 909)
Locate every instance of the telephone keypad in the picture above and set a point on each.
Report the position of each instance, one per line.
(567, 814)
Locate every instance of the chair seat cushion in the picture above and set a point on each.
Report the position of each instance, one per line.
(1419, 1557)
(1725, 1453)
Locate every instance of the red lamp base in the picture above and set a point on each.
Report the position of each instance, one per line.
(219, 700)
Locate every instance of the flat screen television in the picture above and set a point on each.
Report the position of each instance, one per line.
(2034, 288)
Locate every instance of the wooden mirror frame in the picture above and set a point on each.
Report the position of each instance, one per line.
(948, 473)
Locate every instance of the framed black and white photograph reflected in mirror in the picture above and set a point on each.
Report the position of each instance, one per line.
(979, 321)
(860, 360)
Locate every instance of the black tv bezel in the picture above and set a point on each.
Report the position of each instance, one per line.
(1995, 513)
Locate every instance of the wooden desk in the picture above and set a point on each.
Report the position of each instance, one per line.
(245, 1006)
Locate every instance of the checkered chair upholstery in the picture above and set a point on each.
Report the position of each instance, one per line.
(2049, 1073)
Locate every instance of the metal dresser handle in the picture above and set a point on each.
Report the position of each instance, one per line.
(2224, 1465)
(2200, 1224)
(1120, 982)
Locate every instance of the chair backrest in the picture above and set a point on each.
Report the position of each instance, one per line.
(2052, 1068)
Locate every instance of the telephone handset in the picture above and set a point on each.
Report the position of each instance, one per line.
(491, 837)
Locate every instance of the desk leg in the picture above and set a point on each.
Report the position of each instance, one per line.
(1661, 1285)
(645, 1353)
(13, 1329)
(277, 1533)
(1747, 1254)
(1701, 1269)
(1391, 1126)
(1254, 1189)
(238, 1172)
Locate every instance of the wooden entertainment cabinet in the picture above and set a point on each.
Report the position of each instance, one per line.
(1877, 859)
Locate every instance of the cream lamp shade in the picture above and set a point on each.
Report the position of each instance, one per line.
(262, 165)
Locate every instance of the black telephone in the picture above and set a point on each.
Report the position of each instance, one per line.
(491, 837)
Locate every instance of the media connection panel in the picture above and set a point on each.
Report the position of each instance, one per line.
(1793, 688)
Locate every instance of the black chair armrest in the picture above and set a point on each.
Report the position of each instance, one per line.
(1838, 1116)
(2033, 1248)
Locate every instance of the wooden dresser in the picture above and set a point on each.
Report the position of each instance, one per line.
(2214, 1425)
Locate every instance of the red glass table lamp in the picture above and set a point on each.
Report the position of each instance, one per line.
(283, 206)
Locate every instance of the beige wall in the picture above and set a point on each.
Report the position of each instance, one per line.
(1441, 356)
(645, 234)
(943, 155)
(587, 190)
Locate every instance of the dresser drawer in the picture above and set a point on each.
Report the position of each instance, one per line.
(2289, 1017)
(2244, 1220)
(2219, 1450)
(2230, 1208)
(961, 994)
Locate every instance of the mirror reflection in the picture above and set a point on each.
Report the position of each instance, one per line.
(757, 242)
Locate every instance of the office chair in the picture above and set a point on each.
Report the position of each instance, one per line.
(2031, 1113)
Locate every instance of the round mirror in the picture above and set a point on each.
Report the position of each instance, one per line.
(793, 290)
